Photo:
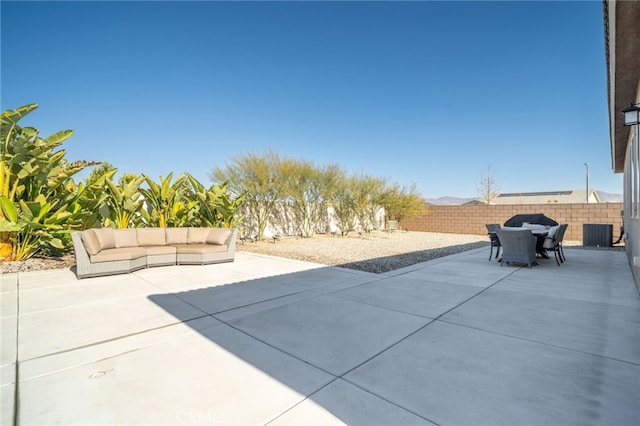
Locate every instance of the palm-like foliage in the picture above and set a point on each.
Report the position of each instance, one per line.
(124, 201)
(214, 205)
(166, 201)
(36, 189)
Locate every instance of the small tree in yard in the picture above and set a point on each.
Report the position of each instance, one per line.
(402, 203)
(368, 193)
(488, 188)
(261, 177)
(342, 201)
(309, 188)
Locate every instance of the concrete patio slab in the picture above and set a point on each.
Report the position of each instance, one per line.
(474, 270)
(409, 295)
(216, 375)
(225, 297)
(342, 403)
(7, 398)
(304, 343)
(463, 376)
(8, 374)
(8, 282)
(232, 314)
(595, 284)
(327, 279)
(80, 325)
(64, 294)
(188, 277)
(261, 266)
(8, 339)
(333, 334)
(572, 324)
(108, 349)
(8, 303)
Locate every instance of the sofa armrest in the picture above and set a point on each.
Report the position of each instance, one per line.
(83, 263)
(231, 241)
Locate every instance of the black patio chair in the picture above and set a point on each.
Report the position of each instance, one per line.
(493, 237)
(553, 242)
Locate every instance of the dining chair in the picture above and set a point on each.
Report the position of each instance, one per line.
(563, 230)
(518, 246)
(553, 242)
(493, 237)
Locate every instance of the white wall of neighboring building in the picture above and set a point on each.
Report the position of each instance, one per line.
(284, 223)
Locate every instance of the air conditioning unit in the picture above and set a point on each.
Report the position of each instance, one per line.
(597, 235)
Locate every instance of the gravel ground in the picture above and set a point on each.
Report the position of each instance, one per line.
(37, 263)
(378, 252)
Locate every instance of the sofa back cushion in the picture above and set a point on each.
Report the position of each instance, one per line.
(90, 241)
(197, 235)
(218, 236)
(176, 235)
(105, 237)
(151, 236)
(125, 238)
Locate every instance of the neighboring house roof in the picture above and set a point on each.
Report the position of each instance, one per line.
(550, 197)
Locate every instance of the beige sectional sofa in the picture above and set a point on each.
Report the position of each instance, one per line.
(106, 251)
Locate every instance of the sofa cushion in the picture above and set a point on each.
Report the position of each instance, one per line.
(105, 237)
(151, 237)
(125, 238)
(90, 241)
(197, 235)
(112, 255)
(218, 236)
(176, 235)
(156, 250)
(200, 248)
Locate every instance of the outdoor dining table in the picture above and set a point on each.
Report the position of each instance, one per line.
(540, 234)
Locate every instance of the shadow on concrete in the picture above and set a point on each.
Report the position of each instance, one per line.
(380, 265)
(290, 328)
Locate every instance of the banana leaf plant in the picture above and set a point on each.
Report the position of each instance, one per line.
(166, 202)
(124, 201)
(215, 207)
(35, 188)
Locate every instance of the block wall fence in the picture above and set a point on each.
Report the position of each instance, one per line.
(471, 219)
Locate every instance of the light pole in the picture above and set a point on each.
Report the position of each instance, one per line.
(587, 166)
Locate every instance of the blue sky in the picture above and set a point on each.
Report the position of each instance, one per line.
(430, 93)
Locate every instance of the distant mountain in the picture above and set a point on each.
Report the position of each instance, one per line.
(605, 197)
(608, 197)
(448, 201)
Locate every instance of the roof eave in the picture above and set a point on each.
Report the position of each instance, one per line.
(622, 33)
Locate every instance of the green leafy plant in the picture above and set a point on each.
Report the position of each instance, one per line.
(166, 202)
(124, 201)
(37, 194)
(261, 178)
(309, 188)
(214, 206)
